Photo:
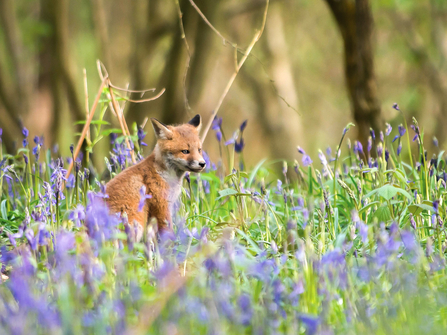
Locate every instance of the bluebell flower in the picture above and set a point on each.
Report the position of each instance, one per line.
(246, 311)
(25, 132)
(143, 197)
(243, 125)
(239, 146)
(77, 215)
(402, 130)
(388, 129)
(141, 135)
(396, 106)
(372, 133)
(58, 176)
(358, 147)
(322, 158)
(306, 160)
(311, 323)
(435, 142)
(436, 206)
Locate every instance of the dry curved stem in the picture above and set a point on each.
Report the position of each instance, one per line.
(233, 77)
(148, 99)
(188, 60)
(86, 127)
(132, 91)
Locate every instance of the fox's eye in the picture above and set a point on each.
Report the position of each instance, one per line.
(200, 150)
(185, 152)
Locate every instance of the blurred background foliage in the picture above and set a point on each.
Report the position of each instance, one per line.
(294, 88)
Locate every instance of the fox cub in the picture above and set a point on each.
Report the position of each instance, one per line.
(178, 150)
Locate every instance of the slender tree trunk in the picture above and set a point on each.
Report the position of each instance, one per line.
(355, 22)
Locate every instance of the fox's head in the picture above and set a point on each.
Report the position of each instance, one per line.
(179, 147)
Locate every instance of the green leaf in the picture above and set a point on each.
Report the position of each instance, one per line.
(3, 210)
(389, 191)
(254, 172)
(368, 206)
(226, 192)
(383, 213)
(417, 209)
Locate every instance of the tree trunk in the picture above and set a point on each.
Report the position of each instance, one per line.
(355, 22)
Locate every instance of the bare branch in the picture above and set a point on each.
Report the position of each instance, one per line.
(233, 77)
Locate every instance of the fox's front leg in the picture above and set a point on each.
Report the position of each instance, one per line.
(160, 212)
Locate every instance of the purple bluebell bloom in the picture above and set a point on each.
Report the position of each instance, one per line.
(322, 158)
(239, 146)
(77, 215)
(372, 133)
(311, 323)
(435, 142)
(358, 147)
(25, 132)
(143, 197)
(436, 206)
(246, 311)
(396, 106)
(402, 130)
(306, 160)
(369, 144)
(395, 138)
(141, 135)
(243, 125)
(388, 129)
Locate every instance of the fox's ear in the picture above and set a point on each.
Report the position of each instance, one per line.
(161, 131)
(196, 121)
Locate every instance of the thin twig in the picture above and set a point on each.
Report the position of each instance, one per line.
(132, 91)
(233, 77)
(86, 127)
(86, 104)
(149, 99)
(188, 60)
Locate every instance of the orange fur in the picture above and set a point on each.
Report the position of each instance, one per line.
(178, 150)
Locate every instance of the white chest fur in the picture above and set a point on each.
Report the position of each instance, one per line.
(174, 183)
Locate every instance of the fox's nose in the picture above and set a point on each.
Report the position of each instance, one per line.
(202, 164)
